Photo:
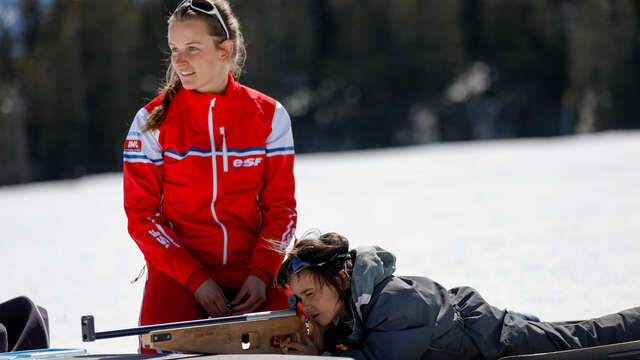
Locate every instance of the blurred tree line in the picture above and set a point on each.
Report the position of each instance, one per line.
(352, 74)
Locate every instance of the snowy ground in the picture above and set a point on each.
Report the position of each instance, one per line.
(546, 226)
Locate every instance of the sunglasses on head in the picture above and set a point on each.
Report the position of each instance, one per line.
(205, 7)
(296, 265)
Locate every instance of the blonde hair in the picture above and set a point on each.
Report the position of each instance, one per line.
(172, 82)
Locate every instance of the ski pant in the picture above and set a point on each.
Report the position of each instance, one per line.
(496, 333)
(166, 300)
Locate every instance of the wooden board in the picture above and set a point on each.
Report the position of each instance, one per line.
(243, 337)
(621, 351)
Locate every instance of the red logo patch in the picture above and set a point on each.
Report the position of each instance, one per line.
(133, 144)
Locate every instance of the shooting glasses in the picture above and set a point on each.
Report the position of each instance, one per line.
(297, 264)
(205, 7)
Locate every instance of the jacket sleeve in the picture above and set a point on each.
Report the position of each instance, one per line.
(142, 172)
(400, 325)
(277, 199)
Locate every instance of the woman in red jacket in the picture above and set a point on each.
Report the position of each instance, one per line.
(208, 177)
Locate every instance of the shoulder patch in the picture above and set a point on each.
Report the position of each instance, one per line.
(142, 146)
(133, 145)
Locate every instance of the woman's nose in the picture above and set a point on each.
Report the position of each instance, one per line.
(179, 57)
(306, 308)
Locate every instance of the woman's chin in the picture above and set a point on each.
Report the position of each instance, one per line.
(187, 85)
(321, 321)
(188, 82)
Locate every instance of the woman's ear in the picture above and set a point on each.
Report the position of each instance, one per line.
(227, 45)
(344, 280)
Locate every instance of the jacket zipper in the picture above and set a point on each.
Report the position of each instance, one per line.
(225, 162)
(215, 182)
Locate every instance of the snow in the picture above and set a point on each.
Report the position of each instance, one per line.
(545, 226)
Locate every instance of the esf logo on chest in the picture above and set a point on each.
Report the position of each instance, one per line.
(247, 162)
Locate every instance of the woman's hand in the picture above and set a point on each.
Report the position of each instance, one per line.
(290, 347)
(211, 298)
(255, 292)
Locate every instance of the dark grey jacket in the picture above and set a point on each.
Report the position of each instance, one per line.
(402, 317)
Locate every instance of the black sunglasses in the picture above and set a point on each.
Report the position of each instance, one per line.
(205, 7)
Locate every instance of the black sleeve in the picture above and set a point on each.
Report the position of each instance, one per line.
(399, 325)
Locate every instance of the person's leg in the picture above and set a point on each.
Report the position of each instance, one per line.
(165, 300)
(497, 333)
(482, 322)
(527, 337)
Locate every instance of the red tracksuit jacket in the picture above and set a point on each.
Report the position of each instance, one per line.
(208, 187)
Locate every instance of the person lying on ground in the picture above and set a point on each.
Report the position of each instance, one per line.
(373, 314)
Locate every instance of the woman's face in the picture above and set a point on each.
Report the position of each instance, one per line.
(320, 302)
(201, 65)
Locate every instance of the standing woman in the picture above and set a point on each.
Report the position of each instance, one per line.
(208, 177)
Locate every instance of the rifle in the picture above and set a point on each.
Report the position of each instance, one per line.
(254, 333)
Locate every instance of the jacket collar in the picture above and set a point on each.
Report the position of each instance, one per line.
(195, 98)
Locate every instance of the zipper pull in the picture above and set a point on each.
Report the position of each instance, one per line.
(225, 161)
